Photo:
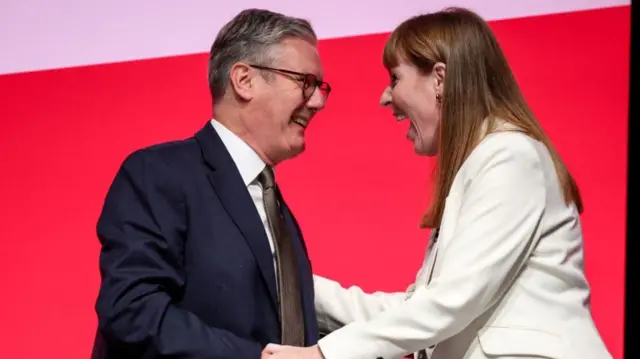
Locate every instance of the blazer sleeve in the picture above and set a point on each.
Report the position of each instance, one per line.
(142, 231)
(337, 306)
(499, 217)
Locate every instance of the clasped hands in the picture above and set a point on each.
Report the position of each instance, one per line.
(276, 351)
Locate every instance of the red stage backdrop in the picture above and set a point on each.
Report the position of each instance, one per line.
(82, 87)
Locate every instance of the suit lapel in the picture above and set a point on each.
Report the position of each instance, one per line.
(229, 186)
(445, 231)
(433, 254)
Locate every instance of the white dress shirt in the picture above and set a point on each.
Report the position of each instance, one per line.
(249, 165)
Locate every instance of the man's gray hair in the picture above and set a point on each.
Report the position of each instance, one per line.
(250, 36)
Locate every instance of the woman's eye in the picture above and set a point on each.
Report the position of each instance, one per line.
(394, 80)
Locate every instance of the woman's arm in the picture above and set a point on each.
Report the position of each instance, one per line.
(337, 306)
(498, 220)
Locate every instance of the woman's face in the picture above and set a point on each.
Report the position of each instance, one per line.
(415, 96)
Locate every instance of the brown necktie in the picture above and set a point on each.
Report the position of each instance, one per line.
(292, 320)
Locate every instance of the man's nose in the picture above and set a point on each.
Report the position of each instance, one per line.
(317, 101)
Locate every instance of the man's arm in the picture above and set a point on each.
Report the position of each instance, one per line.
(142, 229)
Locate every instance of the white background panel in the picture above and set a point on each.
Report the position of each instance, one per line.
(45, 34)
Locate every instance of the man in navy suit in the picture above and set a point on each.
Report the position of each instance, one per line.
(201, 257)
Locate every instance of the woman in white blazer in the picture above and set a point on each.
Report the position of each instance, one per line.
(504, 278)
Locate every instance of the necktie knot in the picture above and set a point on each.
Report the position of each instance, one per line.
(266, 178)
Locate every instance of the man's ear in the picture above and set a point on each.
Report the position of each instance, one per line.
(439, 70)
(241, 77)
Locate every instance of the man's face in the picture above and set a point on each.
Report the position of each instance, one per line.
(285, 99)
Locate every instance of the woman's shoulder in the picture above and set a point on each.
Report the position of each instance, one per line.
(505, 155)
(504, 147)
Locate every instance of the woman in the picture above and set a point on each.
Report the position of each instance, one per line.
(505, 277)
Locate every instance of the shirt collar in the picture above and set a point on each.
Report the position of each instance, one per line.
(247, 161)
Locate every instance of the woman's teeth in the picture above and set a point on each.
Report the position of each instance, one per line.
(399, 117)
(301, 121)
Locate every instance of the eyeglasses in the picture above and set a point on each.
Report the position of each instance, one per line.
(308, 82)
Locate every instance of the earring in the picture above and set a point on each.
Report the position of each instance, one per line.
(438, 98)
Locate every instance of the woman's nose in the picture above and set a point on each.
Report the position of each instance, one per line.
(385, 98)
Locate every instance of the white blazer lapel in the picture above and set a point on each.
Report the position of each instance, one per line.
(433, 253)
(442, 234)
(425, 268)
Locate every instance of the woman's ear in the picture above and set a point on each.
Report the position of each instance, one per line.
(439, 70)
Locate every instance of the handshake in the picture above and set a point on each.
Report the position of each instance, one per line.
(276, 351)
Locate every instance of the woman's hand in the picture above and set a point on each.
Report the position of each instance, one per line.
(276, 351)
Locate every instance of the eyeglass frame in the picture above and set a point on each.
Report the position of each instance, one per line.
(306, 79)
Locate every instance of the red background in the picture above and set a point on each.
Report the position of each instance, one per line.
(358, 191)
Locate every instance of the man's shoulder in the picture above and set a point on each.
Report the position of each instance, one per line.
(174, 150)
(175, 155)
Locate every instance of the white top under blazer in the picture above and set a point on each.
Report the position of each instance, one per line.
(505, 278)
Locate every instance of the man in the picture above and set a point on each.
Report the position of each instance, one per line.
(201, 258)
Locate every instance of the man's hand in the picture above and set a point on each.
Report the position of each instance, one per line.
(276, 351)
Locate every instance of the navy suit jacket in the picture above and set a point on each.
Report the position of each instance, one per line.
(186, 266)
